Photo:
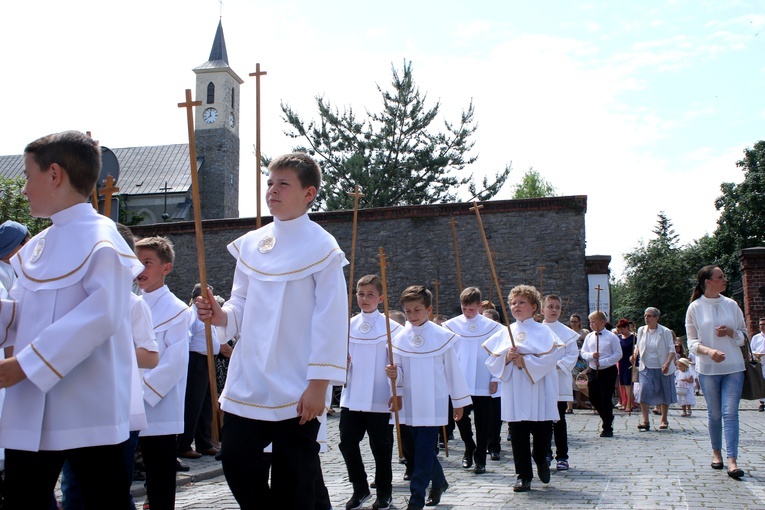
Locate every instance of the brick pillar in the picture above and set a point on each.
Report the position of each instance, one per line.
(598, 265)
(752, 262)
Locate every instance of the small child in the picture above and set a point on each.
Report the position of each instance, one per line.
(551, 311)
(684, 385)
(164, 386)
(365, 398)
(473, 330)
(12, 237)
(529, 384)
(427, 369)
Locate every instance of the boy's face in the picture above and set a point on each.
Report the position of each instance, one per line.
(38, 188)
(287, 199)
(597, 324)
(551, 311)
(521, 308)
(471, 310)
(154, 271)
(368, 298)
(416, 312)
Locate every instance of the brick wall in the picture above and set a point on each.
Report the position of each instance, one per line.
(752, 262)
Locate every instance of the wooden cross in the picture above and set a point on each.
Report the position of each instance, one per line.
(200, 241)
(108, 190)
(356, 195)
(257, 74)
(597, 299)
(597, 334)
(456, 255)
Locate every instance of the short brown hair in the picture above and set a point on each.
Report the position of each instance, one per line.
(306, 169)
(487, 305)
(416, 293)
(529, 292)
(371, 279)
(162, 246)
(470, 295)
(127, 235)
(553, 297)
(77, 153)
(597, 316)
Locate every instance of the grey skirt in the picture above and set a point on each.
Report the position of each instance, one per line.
(657, 388)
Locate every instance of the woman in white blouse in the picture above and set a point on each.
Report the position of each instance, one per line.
(716, 332)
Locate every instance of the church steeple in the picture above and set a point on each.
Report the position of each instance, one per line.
(218, 51)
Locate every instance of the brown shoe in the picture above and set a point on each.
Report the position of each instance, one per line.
(209, 451)
(190, 454)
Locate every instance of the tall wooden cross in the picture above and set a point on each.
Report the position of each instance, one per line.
(356, 194)
(189, 105)
(257, 74)
(456, 254)
(597, 299)
(108, 190)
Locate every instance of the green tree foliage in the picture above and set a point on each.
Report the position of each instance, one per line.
(14, 205)
(658, 275)
(533, 185)
(742, 222)
(394, 155)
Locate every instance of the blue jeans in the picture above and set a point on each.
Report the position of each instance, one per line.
(723, 394)
(426, 464)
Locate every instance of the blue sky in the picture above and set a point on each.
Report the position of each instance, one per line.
(642, 106)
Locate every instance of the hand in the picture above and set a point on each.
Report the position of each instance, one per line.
(457, 413)
(493, 387)
(10, 372)
(664, 368)
(724, 331)
(226, 350)
(391, 371)
(511, 355)
(395, 405)
(595, 356)
(210, 309)
(717, 356)
(520, 361)
(312, 401)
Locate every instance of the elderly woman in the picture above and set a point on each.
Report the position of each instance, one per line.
(656, 351)
(716, 332)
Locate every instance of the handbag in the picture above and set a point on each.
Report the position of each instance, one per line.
(754, 382)
(581, 383)
(681, 391)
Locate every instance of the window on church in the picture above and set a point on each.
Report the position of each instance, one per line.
(232, 97)
(210, 93)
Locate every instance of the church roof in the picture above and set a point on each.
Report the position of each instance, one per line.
(218, 55)
(143, 170)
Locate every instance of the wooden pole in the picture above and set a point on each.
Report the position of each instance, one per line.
(456, 254)
(257, 74)
(200, 241)
(597, 333)
(109, 190)
(476, 207)
(356, 195)
(381, 256)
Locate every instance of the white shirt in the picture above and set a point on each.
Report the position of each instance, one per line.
(7, 279)
(428, 373)
(69, 322)
(143, 338)
(198, 339)
(608, 347)
(290, 305)
(529, 394)
(472, 333)
(164, 386)
(567, 361)
(368, 388)
(654, 347)
(703, 316)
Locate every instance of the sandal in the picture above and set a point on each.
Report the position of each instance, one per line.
(644, 426)
(664, 425)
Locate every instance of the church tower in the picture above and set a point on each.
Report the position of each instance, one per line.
(217, 133)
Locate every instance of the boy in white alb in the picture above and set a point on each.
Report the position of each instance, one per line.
(68, 319)
(551, 310)
(365, 398)
(164, 386)
(289, 303)
(473, 330)
(427, 369)
(529, 384)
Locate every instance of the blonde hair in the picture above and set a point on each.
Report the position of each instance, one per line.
(527, 291)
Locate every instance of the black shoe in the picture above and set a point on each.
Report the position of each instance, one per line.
(479, 469)
(382, 503)
(434, 496)
(607, 433)
(522, 485)
(494, 455)
(357, 500)
(467, 459)
(762, 407)
(509, 437)
(543, 472)
(413, 507)
(181, 467)
(407, 476)
(736, 473)
(441, 444)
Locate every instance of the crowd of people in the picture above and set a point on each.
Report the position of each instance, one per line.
(102, 358)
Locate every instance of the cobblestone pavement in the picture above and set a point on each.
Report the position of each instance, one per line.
(657, 469)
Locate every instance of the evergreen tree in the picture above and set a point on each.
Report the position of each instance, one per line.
(533, 185)
(15, 206)
(394, 155)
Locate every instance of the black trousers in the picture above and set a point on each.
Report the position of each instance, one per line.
(197, 410)
(560, 433)
(353, 426)
(495, 426)
(600, 384)
(481, 408)
(30, 477)
(407, 446)
(159, 459)
(295, 462)
(541, 431)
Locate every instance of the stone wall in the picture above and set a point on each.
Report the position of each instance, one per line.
(419, 245)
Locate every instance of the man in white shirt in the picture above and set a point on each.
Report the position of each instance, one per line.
(602, 351)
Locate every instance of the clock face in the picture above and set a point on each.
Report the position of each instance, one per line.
(210, 115)
(231, 120)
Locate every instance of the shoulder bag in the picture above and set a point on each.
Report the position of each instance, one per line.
(754, 382)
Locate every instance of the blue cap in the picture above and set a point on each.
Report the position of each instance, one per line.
(11, 235)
